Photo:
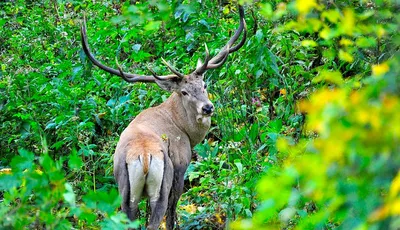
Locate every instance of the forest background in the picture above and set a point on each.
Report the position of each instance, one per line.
(306, 131)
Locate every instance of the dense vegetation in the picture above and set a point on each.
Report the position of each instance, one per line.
(306, 133)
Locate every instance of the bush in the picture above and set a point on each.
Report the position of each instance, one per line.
(36, 195)
(344, 172)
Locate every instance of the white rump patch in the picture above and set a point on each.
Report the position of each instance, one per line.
(152, 181)
(136, 180)
(154, 178)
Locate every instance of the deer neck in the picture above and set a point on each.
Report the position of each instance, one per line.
(187, 121)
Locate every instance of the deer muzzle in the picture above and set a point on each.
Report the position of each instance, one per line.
(208, 109)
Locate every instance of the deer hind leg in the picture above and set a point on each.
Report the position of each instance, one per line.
(175, 194)
(159, 182)
(137, 181)
(121, 176)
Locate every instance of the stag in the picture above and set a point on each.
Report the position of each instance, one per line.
(154, 151)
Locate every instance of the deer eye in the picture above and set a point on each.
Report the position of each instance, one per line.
(205, 86)
(184, 93)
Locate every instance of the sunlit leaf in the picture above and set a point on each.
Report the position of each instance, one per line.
(332, 15)
(365, 42)
(345, 56)
(309, 43)
(305, 6)
(266, 10)
(239, 166)
(380, 69)
(329, 76)
(348, 21)
(346, 42)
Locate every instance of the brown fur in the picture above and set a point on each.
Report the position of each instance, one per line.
(148, 145)
(147, 149)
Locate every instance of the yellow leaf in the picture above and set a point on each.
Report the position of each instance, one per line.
(379, 214)
(332, 15)
(191, 208)
(395, 187)
(380, 31)
(380, 69)
(391, 208)
(348, 21)
(329, 76)
(346, 42)
(164, 137)
(309, 43)
(282, 144)
(345, 56)
(211, 96)
(282, 91)
(395, 207)
(219, 219)
(226, 10)
(5, 171)
(326, 33)
(315, 24)
(305, 6)
(101, 115)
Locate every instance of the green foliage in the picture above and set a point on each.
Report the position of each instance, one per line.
(268, 161)
(342, 172)
(36, 195)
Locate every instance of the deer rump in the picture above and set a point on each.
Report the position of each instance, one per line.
(143, 168)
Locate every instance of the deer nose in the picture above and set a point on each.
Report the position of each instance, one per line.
(208, 109)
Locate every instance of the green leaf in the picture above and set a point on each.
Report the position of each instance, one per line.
(69, 195)
(329, 76)
(309, 43)
(239, 165)
(8, 182)
(152, 25)
(74, 162)
(266, 10)
(23, 161)
(366, 42)
(254, 132)
(275, 126)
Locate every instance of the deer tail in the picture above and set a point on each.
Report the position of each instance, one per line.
(146, 157)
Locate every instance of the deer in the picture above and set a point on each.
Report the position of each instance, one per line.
(155, 149)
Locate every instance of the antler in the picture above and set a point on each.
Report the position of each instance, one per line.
(212, 63)
(221, 57)
(129, 77)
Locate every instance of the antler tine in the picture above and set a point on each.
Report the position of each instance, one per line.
(126, 76)
(173, 70)
(161, 78)
(241, 43)
(242, 27)
(200, 70)
(221, 62)
(222, 54)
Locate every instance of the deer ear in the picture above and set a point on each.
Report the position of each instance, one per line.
(199, 63)
(170, 84)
